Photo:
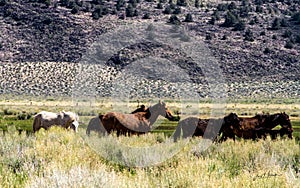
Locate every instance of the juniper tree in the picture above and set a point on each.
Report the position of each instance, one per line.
(188, 18)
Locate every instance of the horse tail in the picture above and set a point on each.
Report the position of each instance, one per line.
(36, 122)
(177, 132)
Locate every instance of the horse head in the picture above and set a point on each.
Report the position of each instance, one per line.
(284, 120)
(232, 120)
(71, 119)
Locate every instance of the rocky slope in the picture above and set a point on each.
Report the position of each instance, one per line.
(42, 42)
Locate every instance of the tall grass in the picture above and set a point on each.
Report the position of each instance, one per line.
(60, 158)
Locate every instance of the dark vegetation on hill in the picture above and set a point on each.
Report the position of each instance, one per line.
(254, 40)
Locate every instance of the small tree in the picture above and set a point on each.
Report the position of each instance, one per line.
(188, 18)
(146, 16)
(129, 11)
(159, 6)
(259, 9)
(289, 45)
(181, 3)
(297, 39)
(276, 24)
(177, 10)
(3, 2)
(267, 50)
(287, 34)
(120, 3)
(133, 2)
(167, 10)
(97, 13)
(296, 17)
(212, 20)
(231, 6)
(174, 20)
(249, 36)
(284, 23)
(208, 36)
(240, 26)
(75, 10)
(230, 20)
(197, 5)
(216, 14)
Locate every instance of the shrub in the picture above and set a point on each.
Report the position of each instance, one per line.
(181, 3)
(297, 39)
(208, 36)
(289, 45)
(276, 24)
(267, 50)
(7, 112)
(249, 36)
(296, 17)
(222, 7)
(230, 20)
(224, 37)
(197, 5)
(146, 16)
(129, 11)
(23, 116)
(3, 2)
(97, 13)
(159, 6)
(167, 10)
(240, 26)
(177, 10)
(259, 9)
(133, 2)
(188, 18)
(174, 20)
(212, 20)
(120, 3)
(75, 10)
(284, 23)
(287, 34)
(216, 14)
(232, 6)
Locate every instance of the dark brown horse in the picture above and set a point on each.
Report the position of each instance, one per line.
(137, 123)
(193, 126)
(94, 123)
(259, 126)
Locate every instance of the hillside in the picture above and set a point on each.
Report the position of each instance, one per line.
(256, 42)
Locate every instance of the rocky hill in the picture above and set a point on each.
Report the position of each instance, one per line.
(256, 44)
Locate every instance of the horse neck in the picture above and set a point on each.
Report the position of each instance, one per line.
(151, 115)
(270, 122)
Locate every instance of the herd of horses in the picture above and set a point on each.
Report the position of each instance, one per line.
(142, 119)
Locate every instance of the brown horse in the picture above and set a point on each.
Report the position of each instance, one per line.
(137, 123)
(94, 123)
(259, 126)
(193, 126)
(47, 119)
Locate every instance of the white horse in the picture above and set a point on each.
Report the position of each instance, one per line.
(64, 119)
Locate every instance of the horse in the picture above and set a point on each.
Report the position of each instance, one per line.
(141, 109)
(259, 126)
(94, 123)
(64, 119)
(193, 126)
(137, 123)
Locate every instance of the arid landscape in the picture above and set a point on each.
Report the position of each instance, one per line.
(74, 55)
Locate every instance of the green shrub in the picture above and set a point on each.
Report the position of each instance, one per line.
(174, 20)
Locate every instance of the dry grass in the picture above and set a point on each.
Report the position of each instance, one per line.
(59, 158)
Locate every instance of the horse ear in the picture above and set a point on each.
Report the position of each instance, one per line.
(276, 117)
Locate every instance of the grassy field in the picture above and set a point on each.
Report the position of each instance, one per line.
(60, 158)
